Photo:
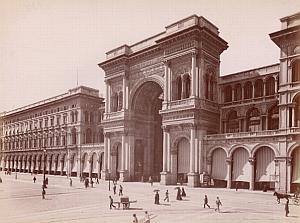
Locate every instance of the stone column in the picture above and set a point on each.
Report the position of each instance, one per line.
(183, 87)
(276, 85)
(123, 171)
(252, 173)
(229, 164)
(61, 166)
(90, 166)
(293, 115)
(264, 85)
(253, 89)
(104, 174)
(193, 72)
(193, 177)
(232, 94)
(289, 173)
(125, 91)
(166, 80)
(165, 174)
(243, 91)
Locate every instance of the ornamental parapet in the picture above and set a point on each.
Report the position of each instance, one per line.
(266, 133)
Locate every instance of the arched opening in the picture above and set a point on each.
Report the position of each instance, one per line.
(73, 163)
(146, 104)
(259, 88)
(270, 86)
(253, 120)
(53, 164)
(178, 88)
(241, 168)
(88, 136)
(86, 116)
(101, 164)
(296, 71)
(183, 160)
(237, 92)
(120, 100)
(228, 94)
(273, 118)
(65, 165)
(85, 166)
(187, 86)
(74, 136)
(265, 172)
(248, 90)
(295, 173)
(94, 171)
(232, 122)
(219, 168)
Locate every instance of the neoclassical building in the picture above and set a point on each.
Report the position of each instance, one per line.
(67, 127)
(169, 113)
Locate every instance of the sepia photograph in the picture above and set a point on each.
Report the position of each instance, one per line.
(156, 111)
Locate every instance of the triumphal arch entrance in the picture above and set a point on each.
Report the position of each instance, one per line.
(161, 99)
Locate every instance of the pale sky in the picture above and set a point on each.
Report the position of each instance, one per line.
(44, 43)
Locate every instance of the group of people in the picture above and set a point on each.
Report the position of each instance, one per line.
(111, 201)
(146, 218)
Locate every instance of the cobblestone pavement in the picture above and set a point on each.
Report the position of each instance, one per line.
(21, 201)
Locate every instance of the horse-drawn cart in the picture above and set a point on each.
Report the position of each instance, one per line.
(125, 202)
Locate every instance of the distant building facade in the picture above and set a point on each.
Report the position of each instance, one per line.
(170, 115)
(67, 127)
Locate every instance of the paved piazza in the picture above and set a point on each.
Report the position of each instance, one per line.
(21, 202)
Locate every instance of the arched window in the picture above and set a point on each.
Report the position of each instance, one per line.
(259, 88)
(120, 100)
(115, 102)
(74, 136)
(237, 92)
(228, 94)
(248, 90)
(270, 86)
(178, 87)
(296, 114)
(232, 122)
(72, 117)
(187, 80)
(212, 86)
(296, 71)
(86, 116)
(273, 118)
(207, 86)
(91, 117)
(88, 136)
(253, 120)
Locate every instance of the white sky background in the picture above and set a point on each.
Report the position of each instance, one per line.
(43, 43)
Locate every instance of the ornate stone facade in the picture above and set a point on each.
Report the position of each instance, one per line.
(179, 119)
(67, 126)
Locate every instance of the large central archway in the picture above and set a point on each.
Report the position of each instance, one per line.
(146, 103)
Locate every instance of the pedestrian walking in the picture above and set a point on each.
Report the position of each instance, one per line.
(111, 203)
(167, 196)
(218, 203)
(115, 188)
(0, 180)
(286, 207)
(151, 181)
(183, 194)
(71, 182)
(121, 190)
(206, 201)
(34, 179)
(46, 181)
(178, 197)
(92, 182)
(135, 220)
(236, 186)
(156, 198)
(97, 181)
(86, 183)
(43, 193)
(147, 217)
